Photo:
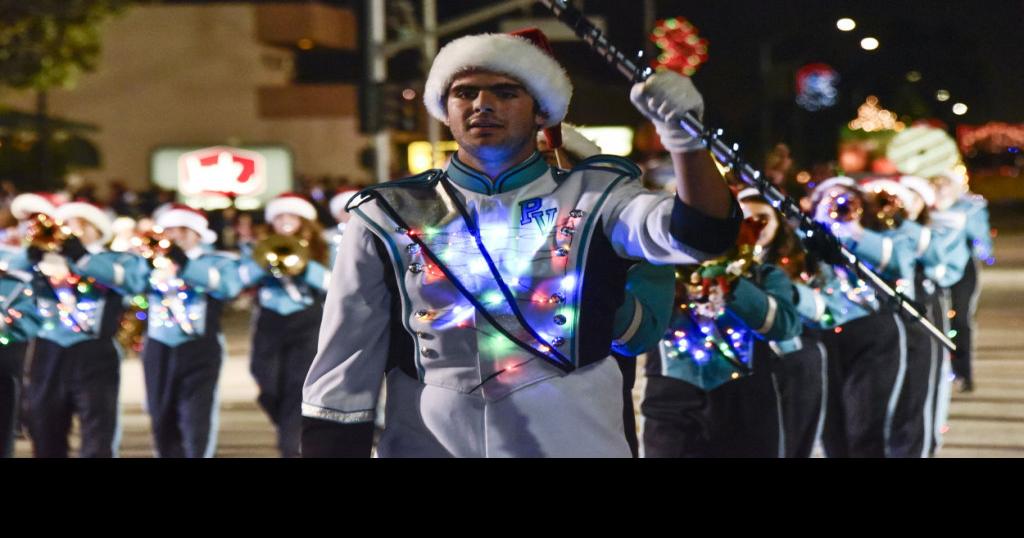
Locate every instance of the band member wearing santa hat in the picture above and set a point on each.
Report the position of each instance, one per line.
(76, 361)
(711, 389)
(801, 373)
(962, 212)
(286, 323)
(184, 348)
(897, 209)
(484, 293)
(866, 337)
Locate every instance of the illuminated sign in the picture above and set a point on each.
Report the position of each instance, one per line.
(210, 177)
(222, 170)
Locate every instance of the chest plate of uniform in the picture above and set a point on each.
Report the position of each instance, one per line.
(525, 281)
(73, 312)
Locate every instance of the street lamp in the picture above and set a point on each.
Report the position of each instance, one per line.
(942, 96)
(959, 109)
(846, 24)
(869, 43)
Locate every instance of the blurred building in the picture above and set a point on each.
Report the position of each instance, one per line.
(216, 75)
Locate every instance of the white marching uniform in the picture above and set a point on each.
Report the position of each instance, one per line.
(456, 384)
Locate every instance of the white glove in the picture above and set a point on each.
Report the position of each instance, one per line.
(663, 98)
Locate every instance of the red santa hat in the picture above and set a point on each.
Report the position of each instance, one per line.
(183, 216)
(90, 213)
(571, 140)
(516, 56)
(289, 203)
(25, 205)
(339, 201)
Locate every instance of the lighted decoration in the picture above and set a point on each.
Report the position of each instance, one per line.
(816, 87)
(993, 137)
(923, 151)
(872, 117)
(222, 170)
(75, 304)
(680, 48)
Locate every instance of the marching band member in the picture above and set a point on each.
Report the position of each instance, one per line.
(802, 372)
(287, 320)
(956, 209)
(699, 399)
(484, 292)
(866, 340)
(76, 362)
(19, 323)
(184, 349)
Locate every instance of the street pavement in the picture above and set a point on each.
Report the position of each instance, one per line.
(986, 423)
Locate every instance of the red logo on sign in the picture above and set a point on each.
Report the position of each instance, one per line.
(222, 170)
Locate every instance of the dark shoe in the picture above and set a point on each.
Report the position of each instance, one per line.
(963, 385)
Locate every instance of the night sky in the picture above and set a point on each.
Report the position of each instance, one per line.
(975, 50)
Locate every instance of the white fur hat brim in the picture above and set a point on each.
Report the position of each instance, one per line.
(289, 205)
(91, 214)
(175, 218)
(922, 187)
(509, 55)
(838, 181)
(892, 187)
(25, 205)
(339, 201)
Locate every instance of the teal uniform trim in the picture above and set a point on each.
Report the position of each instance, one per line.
(210, 274)
(519, 175)
(400, 280)
(650, 291)
(753, 304)
(606, 162)
(20, 318)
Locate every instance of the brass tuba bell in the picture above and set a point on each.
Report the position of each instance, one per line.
(282, 255)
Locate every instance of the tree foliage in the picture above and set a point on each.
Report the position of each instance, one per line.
(46, 44)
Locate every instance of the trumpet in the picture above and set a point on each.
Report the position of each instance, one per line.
(46, 233)
(709, 284)
(844, 207)
(282, 255)
(150, 244)
(887, 209)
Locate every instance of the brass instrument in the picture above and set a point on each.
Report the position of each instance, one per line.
(887, 209)
(844, 207)
(46, 233)
(282, 255)
(150, 244)
(711, 282)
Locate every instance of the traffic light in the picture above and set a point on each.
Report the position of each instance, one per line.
(389, 105)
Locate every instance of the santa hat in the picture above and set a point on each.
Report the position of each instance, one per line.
(748, 192)
(512, 55)
(890, 186)
(91, 214)
(922, 187)
(572, 141)
(340, 201)
(25, 205)
(289, 203)
(839, 181)
(183, 216)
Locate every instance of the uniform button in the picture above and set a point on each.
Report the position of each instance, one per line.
(576, 213)
(428, 353)
(558, 341)
(416, 267)
(423, 314)
(562, 252)
(566, 230)
(412, 249)
(400, 230)
(560, 320)
(557, 298)
(425, 336)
